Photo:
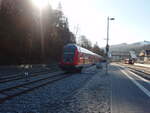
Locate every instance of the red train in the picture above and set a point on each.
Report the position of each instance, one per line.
(75, 58)
(129, 61)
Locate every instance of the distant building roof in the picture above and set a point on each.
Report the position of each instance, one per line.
(119, 53)
(133, 54)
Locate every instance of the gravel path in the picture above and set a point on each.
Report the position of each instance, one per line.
(88, 92)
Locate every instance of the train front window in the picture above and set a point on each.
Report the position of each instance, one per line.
(69, 53)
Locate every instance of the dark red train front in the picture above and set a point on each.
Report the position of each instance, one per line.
(70, 57)
(75, 58)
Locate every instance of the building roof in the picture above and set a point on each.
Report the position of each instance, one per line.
(120, 53)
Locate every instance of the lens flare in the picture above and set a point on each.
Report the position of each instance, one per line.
(40, 3)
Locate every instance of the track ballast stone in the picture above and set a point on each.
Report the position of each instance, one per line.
(86, 92)
(94, 97)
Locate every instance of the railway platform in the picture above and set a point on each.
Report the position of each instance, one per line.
(143, 65)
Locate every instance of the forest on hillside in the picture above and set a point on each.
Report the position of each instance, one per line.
(30, 36)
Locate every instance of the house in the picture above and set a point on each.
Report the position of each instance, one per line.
(145, 55)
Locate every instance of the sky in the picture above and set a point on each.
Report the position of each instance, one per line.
(131, 22)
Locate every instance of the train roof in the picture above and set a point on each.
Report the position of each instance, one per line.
(83, 50)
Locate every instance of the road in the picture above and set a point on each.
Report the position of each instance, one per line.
(129, 93)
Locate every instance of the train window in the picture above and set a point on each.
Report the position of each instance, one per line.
(69, 52)
(68, 57)
(69, 49)
(81, 54)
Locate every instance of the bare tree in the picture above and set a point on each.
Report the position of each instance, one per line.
(84, 42)
(98, 50)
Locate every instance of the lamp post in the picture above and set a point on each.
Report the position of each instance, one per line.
(107, 45)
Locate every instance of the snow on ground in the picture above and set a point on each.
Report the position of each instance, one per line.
(143, 65)
(86, 92)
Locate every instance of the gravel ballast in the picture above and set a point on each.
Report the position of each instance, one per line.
(94, 97)
(86, 92)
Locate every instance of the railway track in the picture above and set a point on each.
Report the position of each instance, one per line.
(144, 69)
(13, 91)
(21, 75)
(141, 71)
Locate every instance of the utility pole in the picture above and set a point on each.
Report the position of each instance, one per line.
(107, 45)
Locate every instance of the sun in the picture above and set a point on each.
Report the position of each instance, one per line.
(40, 3)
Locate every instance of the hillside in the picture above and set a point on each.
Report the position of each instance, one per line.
(137, 47)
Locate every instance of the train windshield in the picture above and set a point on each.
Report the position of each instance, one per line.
(69, 52)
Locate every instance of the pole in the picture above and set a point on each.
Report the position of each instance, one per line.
(107, 34)
(107, 46)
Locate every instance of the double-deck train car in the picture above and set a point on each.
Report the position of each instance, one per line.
(75, 58)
